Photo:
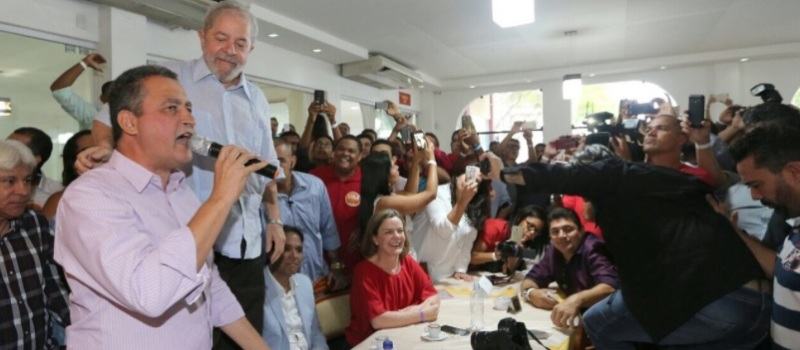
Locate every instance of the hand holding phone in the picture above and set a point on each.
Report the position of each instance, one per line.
(471, 174)
(697, 106)
(516, 233)
(419, 138)
(466, 123)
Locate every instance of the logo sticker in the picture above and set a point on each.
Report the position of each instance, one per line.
(352, 198)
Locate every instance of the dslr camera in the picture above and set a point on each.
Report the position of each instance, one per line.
(509, 249)
(510, 335)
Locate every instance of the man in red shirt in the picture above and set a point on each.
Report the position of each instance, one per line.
(663, 141)
(342, 178)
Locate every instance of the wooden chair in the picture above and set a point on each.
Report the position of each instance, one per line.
(333, 309)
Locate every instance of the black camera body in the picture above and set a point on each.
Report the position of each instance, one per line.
(509, 249)
(767, 93)
(510, 335)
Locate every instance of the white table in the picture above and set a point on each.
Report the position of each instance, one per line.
(456, 312)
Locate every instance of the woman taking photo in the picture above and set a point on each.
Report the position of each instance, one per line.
(381, 176)
(490, 254)
(389, 288)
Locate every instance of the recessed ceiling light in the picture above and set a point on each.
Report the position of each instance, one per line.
(422, 86)
(591, 75)
(273, 35)
(317, 50)
(744, 59)
(663, 67)
(472, 86)
(528, 81)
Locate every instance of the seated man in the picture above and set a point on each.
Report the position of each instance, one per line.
(135, 241)
(32, 292)
(290, 318)
(580, 265)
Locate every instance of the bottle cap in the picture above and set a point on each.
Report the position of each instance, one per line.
(387, 344)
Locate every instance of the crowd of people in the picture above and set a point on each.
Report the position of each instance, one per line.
(675, 235)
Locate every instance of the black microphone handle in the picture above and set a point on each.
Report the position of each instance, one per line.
(269, 171)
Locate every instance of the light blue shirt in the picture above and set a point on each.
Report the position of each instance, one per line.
(309, 209)
(276, 331)
(84, 112)
(236, 115)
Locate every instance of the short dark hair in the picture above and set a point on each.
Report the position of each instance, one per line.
(290, 133)
(772, 113)
(40, 144)
(351, 138)
(382, 142)
(365, 244)
(70, 154)
(772, 147)
(373, 135)
(434, 137)
(287, 229)
(365, 136)
(106, 88)
(128, 92)
(558, 213)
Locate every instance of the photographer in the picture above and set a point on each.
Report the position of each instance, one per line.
(578, 262)
(494, 251)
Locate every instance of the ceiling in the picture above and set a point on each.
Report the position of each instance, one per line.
(456, 42)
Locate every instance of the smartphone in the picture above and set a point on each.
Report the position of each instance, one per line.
(382, 105)
(406, 134)
(419, 137)
(538, 334)
(531, 125)
(466, 123)
(566, 143)
(454, 330)
(516, 233)
(319, 96)
(642, 108)
(471, 174)
(720, 97)
(697, 106)
(600, 138)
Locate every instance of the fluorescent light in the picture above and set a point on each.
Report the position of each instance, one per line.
(5, 106)
(591, 75)
(64, 137)
(744, 59)
(273, 35)
(422, 86)
(571, 87)
(317, 50)
(511, 13)
(663, 67)
(472, 86)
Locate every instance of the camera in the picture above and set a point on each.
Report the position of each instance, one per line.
(767, 93)
(509, 249)
(510, 335)
(642, 108)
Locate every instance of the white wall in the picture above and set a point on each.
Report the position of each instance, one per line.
(736, 79)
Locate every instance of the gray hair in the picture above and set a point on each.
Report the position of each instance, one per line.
(217, 9)
(14, 154)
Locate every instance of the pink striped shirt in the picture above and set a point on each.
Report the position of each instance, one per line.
(130, 260)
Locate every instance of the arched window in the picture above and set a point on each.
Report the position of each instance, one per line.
(796, 98)
(606, 97)
(494, 114)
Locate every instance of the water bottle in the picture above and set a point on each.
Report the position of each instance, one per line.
(476, 307)
(388, 345)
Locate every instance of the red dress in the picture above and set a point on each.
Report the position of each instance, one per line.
(374, 292)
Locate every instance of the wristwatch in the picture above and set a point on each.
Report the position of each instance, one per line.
(275, 222)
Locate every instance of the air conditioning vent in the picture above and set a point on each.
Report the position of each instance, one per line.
(382, 73)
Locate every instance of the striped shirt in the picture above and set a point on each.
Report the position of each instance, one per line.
(31, 289)
(785, 328)
(131, 262)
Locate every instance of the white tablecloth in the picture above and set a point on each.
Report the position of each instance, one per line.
(455, 312)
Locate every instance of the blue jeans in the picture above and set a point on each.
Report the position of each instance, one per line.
(738, 320)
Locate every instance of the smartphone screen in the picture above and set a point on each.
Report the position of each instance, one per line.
(382, 105)
(406, 134)
(697, 105)
(471, 174)
(419, 137)
(454, 330)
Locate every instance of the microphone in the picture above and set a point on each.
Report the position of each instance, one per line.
(206, 147)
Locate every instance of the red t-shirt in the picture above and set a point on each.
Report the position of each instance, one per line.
(345, 196)
(576, 203)
(703, 174)
(375, 292)
(494, 231)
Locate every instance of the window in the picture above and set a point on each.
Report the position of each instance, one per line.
(494, 114)
(385, 123)
(796, 98)
(352, 115)
(606, 97)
